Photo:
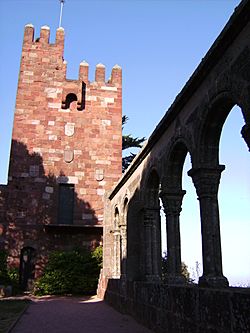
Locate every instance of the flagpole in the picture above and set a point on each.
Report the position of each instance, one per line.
(60, 20)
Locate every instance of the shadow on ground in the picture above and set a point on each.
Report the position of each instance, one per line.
(76, 315)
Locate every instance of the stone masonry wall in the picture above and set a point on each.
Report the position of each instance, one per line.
(182, 309)
(65, 132)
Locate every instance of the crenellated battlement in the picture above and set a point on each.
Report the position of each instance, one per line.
(41, 48)
(44, 37)
(100, 73)
(85, 90)
(43, 68)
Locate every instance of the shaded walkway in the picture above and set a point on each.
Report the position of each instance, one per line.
(76, 315)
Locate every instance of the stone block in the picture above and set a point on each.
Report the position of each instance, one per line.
(49, 189)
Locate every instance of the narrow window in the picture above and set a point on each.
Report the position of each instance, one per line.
(66, 203)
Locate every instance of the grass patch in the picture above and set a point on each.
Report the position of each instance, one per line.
(10, 310)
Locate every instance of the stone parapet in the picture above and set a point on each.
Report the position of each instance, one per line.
(174, 309)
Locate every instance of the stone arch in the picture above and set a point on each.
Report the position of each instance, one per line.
(152, 168)
(206, 175)
(214, 116)
(151, 187)
(172, 195)
(174, 161)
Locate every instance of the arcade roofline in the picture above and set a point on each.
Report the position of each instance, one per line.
(234, 26)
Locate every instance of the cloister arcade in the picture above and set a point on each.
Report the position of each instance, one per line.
(192, 125)
(162, 179)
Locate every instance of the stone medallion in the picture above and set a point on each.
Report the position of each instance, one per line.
(99, 174)
(69, 129)
(68, 155)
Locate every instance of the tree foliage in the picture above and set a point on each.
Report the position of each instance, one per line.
(184, 269)
(128, 141)
(8, 276)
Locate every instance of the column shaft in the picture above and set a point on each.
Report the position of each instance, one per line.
(123, 250)
(117, 256)
(206, 181)
(151, 243)
(172, 202)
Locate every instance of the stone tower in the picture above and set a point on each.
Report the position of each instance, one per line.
(66, 152)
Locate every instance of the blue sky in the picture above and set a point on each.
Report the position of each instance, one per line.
(158, 44)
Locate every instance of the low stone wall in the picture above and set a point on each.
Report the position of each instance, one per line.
(182, 309)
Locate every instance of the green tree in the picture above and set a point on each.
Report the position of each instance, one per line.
(184, 269)
(128, 141)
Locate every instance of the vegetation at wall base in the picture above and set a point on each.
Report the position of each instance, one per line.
(8, 276)
(4, 278)
(73, 272)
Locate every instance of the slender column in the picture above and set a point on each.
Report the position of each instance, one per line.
(172, 202)
(151, 244)
(156, 243)
(148, 242)
(206, 182)
(117, 255)
(123, 249)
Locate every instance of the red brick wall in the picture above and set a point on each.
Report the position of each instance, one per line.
(52, 144)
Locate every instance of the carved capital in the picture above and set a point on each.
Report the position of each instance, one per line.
(206, 180)
(123, 231)
(172, 201)
(116, 232)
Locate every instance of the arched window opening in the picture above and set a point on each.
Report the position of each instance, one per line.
(234, 198)
(69, 99)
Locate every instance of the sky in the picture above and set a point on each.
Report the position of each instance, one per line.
(158, 44)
